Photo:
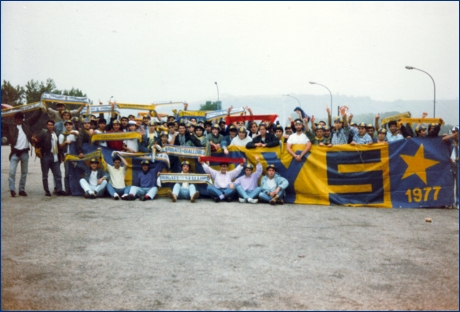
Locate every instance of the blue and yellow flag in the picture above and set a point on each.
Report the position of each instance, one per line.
(414, 173)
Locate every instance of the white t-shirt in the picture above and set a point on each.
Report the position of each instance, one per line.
(236, 141)
(132, 144)
(93, 178)
(298, 139)
(22, 142)
(70, 137)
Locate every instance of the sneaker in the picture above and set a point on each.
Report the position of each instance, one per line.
(116, 197)
(143, 198)
(253, 200)
(216, 199)
(61, 193)
(172, 196)
(280, 201)
(241, 200)
(47, 193)
(273, 200)
(13, 193)
(92, 195)
(229, 198)
(87, 194)
(194, 197)
(131, 197)
(22, 193)
(55, 191)
(147, 197)
(124, 197)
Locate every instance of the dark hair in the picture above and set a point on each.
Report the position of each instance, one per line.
(19, 115)
(393, 122)
(182, 125)
(116, 158)
(102, 120)
(50, 120)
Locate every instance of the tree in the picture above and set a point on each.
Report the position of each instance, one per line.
(12, 95)
(34, 89)
(208, 106)
(73, 92)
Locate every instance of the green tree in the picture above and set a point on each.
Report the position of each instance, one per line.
(71, 92)
(208, 106)
(12, 95)
(35, 89)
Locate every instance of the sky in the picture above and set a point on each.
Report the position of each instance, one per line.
(144, 52)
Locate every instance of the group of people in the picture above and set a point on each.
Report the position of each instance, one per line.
(67, 132)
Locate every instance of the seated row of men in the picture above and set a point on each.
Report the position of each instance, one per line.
(226, 184)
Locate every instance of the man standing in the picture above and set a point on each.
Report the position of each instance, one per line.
(47, 141)
(273, 186)
(453, 140)
(55, 114)
(222, 179)
(298, 138)
(67, 145)
(264, 139)
(19, 136)
(84, 137)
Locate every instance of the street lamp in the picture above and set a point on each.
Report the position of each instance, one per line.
(311, 82)
(434, 85)
(300, 105)
(217, 91)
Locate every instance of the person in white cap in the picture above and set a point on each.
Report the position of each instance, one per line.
(131, 145)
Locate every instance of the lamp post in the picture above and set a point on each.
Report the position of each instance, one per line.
(219, 106)
(311, 82)
(300, 105)
(434, 85)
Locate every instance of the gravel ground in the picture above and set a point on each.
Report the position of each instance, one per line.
(70, 253)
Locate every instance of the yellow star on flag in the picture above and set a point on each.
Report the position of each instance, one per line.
(418, 164)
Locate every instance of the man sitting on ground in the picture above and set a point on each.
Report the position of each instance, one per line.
(222, 179)
(273, 187)
(246, 185)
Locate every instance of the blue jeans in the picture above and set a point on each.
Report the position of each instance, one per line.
(142, 191)
(248, 194)
(119, 191)
(24, 159)
(182, 192)
(216, 192)
(66, 176)
(47, 162)
(267, 198)
(99, 189)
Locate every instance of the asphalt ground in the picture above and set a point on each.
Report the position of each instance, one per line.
(72, 253)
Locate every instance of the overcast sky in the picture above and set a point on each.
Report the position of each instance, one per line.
(143, 52)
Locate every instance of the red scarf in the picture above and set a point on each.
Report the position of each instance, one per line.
(222, 159)
(230, 119)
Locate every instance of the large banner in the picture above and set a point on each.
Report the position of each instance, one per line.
(413, 173)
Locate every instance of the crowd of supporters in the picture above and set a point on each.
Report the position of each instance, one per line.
(67, 131)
